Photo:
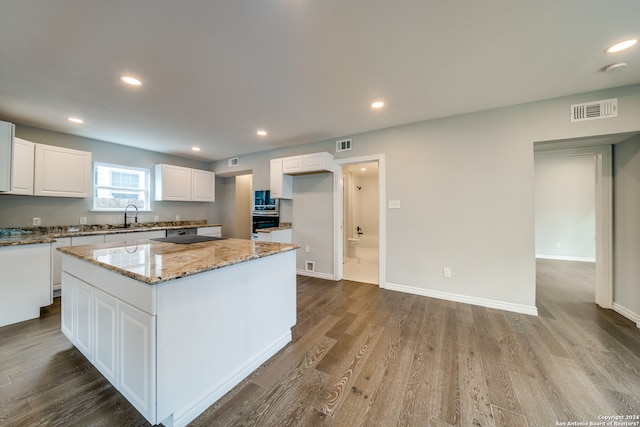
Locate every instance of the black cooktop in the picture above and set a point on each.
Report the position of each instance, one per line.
(188, 239)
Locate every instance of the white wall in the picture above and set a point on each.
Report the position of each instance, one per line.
(466, 186)
(565, 207)
(626, 194)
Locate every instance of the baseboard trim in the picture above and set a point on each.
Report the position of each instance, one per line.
(634, 317)
(325, 276)
(566, 258)
(500, 305)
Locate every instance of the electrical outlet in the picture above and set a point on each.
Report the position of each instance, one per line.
(156, 218)
(36, 221)
(306, 249)
(558, 245)
(446, 272)
(83, 220)
(394, 204)
(177, 217)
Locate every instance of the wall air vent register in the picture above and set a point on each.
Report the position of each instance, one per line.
(594, 110)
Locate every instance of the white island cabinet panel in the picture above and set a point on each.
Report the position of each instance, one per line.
(62, 172)
(105, 347)
(134, 236)
(25, 281)
(210, 231)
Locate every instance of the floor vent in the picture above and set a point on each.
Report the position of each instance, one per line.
(309, 266)
(232, 162)
(594, 110)
(343, 145)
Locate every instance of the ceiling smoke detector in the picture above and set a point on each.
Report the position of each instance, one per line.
(612, 68)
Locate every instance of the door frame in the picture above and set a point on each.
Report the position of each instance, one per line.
(603, 212)
(338, 215)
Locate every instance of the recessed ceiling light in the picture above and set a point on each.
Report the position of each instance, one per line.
(377, 104)
(363, 169)
(195, 148)
(131, 80)
(621, 46)
(262, 132)
(75, 120)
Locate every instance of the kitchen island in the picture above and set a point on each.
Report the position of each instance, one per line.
(175, 326)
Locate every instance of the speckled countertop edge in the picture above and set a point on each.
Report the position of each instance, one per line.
(35, 235)
(177, 260)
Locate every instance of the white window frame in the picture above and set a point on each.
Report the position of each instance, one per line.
(95, 187)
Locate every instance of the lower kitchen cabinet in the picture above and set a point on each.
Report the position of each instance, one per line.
(116, 337)
(278, 236)
(134, 236)
(210, 231)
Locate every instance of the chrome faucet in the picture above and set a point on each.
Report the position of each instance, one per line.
(135, 219)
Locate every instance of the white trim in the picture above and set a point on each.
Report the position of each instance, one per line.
(382, 219)
(604, 216)
(634, 317)
(326, 276)
(566, 258)
(483, 302)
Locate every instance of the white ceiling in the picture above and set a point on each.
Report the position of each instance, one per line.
(305, 70)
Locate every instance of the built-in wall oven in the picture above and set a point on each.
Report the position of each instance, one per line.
(265, 212)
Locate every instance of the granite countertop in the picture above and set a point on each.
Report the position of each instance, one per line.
(34, 235)
(281, 226)
(155, 262)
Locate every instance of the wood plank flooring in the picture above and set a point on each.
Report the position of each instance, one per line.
(362, 356)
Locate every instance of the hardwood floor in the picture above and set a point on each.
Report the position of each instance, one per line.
(370, 357)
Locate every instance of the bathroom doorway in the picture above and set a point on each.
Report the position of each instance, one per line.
(359, 215)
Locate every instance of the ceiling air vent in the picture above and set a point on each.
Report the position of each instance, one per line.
(343, 145)
(232, 162)
(594, 110)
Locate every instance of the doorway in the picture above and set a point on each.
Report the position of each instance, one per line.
(359, 218)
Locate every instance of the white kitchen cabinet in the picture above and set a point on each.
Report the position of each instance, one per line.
(116, 337)
(281, 185)
(91, 239)
(105, 345)
(308, 163)
(56, 262)
(6, 147)
(210, 231)
(22, 167)
(25, 281)
(61, 172)
(177, 183)
(134, 236)
(203, 186)
(278, 236)
(173, 183)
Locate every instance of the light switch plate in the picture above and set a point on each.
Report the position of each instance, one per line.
(394, 204)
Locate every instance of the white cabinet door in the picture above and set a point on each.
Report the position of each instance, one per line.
(136, 370)
(22, 167)
(282, 236)
(83, 321)
(134, 236)
(61, 172)
(68, 304)
(6, 146)
(105, 347)
(210, 231)
(173, 183)
(203, 186)
(281, 185)
(292, 164)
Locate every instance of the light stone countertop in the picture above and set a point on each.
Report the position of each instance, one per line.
(282, 226)
(155, 262)
(34, 235)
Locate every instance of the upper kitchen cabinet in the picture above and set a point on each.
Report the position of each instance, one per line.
(61, 172)
(203, 186)
(281, 185)
(308, 163)
(22, 167)
(6, 149)
(177, 183)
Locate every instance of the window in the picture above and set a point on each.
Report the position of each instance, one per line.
(116, 186)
